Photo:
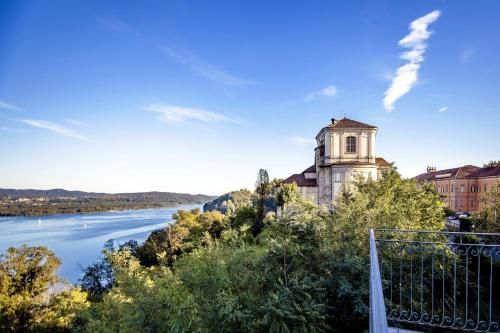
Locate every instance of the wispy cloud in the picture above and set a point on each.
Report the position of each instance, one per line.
(179, 114)
(325, 92)
(183, 57)
(298, 140)
(7, 106)
(443, 109)
(407, 75)
(55, 128)
(12, 130)
(200, 67)
(76, 122)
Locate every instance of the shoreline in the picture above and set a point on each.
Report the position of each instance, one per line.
(103, 210)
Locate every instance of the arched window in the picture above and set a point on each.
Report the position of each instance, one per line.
(350, 144)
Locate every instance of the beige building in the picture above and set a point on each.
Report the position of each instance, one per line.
(462, 188)
(345, 149)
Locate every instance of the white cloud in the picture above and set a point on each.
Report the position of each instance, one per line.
(443, 109)
(76, 122)
(407, 75)
(7, 106)
(55, 128)
(302, 141)
(198, 66)
(325, 92)
(178, 114)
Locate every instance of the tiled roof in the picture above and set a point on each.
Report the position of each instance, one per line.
(349, 123)
(432, 175)
(486, 172)
(466, 171)
(381, 162)
(300, 180)
(312, 168)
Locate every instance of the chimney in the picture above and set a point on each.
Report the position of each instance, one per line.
(334, 121)
(431, 169)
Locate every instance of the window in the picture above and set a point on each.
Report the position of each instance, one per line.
(446, 189)
(350, 144)
(461, 203)
(461, 188)
(452, 188)
(338, 177)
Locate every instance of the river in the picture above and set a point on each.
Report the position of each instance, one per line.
(77, 239)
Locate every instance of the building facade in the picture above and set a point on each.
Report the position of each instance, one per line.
(462, 189)
(345, 149)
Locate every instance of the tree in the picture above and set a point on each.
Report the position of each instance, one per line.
(143, 300)
(287, 194)
(245, 215)
(25, 275)
(389, 202)
(297, 306)
(488, 219)
(262, 189)
(492, 164)
(63, 309)
(97, 279)
(27, 303)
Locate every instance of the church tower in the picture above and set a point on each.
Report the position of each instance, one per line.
(345, 149)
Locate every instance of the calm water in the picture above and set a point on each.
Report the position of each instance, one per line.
(77, 239)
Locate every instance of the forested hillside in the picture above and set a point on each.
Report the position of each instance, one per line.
(230, 202)
(58, 201)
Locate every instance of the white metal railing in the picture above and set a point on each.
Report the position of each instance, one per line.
(378, 318)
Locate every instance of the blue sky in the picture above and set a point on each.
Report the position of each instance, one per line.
(197, 96)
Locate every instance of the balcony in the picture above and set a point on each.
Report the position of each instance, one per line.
(434, 281)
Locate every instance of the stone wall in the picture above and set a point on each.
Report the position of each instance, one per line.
(310, 193)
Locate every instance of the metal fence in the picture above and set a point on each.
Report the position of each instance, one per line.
(447, 280)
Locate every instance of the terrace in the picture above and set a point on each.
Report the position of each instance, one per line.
(434, 281)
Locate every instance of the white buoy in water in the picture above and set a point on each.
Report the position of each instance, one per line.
(39, 221)
(85, 226)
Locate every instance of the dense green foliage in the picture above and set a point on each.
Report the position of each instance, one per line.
(212, 272)
(28, 300)
(306, 272)
(488, 219)
(230, 202)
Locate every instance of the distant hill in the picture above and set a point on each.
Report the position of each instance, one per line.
(59, 201)
(54, 193)
(61, 193)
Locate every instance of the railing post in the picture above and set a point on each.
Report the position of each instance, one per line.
(378, 319)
